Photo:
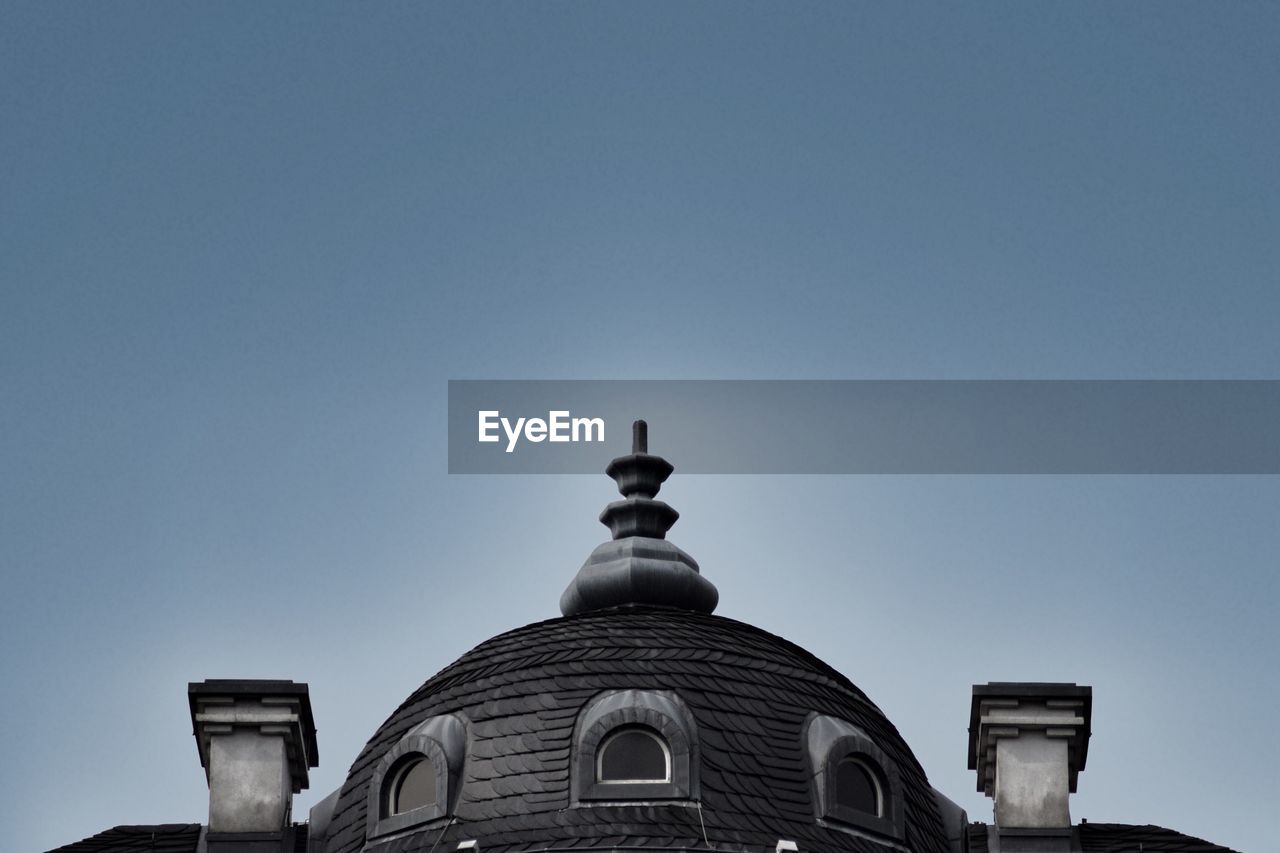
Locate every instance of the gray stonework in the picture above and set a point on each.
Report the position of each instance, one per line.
(256, 742)
(1028, 743)
(249, 784)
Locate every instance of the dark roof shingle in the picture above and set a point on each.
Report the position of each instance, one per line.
(1118, 838)
(1128, 838)
(161, 838)
(748, 691)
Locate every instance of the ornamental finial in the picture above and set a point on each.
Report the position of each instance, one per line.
(639, 566)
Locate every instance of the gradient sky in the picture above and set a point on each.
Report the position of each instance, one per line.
(244, 246)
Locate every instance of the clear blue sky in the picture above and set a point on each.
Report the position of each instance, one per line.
(244, 246)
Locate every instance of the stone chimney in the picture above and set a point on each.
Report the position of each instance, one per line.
(1029, 742)
(257, 740)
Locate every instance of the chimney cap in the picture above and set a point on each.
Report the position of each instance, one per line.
(1033, 691)
(213, 689)
(1003, 709)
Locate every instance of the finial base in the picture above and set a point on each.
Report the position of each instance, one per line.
(639, 570)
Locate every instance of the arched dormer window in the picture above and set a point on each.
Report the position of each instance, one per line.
(635, 745)
(855, 783)
(631, 755)
(417, 779)
(858, 786)
(412, 785)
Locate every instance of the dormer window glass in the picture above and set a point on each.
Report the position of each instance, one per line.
(857, 787)
(412, 787)
(633, 755)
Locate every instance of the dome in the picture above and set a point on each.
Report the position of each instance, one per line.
(727, 737)
(749, 694)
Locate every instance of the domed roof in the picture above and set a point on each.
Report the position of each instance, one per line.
(749, 694)
(759, 721)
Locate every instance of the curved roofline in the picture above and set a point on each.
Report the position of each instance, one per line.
(535, 656)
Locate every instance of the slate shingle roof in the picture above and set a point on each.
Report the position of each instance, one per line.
(1118, 838)
(163, 838)
(160, 838)
(748, 691)
(1126, 838)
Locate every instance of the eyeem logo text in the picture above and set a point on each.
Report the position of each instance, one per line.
(559, 426)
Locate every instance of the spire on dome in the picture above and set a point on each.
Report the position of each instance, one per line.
(639, 566)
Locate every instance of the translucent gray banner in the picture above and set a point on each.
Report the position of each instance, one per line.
(870, 427)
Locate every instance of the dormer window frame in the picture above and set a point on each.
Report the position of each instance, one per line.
(615, 735)
(831, 741)
(440, 740)
(381, 790)
(664, 716)
(393, 786)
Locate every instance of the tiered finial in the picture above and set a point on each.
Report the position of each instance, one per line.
(639, 477)
(639, 566)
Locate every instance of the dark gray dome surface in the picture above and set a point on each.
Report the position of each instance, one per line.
(749, 693)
